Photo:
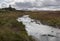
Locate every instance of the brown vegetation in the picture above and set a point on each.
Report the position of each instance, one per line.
(12, 30)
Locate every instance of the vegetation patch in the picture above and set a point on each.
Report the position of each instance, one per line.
(12, 30)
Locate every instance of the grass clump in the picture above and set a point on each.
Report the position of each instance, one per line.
(11, 29)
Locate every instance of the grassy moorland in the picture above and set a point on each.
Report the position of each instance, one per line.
(51, 18)
(12, 30)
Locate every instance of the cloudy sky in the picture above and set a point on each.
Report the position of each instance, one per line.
(19, 4)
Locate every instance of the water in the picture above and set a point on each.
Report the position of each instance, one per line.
(39, 31)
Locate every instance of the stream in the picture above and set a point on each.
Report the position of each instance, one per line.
(41, 32)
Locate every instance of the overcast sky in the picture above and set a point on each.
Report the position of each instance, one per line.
(18, 4)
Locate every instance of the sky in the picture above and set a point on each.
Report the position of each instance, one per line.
(23, 4)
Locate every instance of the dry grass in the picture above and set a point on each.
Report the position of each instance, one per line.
(11, 30)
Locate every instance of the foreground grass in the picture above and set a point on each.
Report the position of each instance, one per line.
(12, 30)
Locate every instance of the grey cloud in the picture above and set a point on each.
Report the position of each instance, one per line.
(39, 4)
(49, 3)
(1, 1)
(24, 5)
(36, 4)
(5, 3)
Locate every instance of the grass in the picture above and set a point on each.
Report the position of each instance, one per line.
(12, 30)
(49, 18)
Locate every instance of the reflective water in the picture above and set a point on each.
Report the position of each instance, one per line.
(39, 31)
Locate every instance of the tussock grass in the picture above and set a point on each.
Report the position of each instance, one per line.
(12, 30)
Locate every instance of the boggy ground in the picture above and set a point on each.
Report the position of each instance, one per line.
(12, 30)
